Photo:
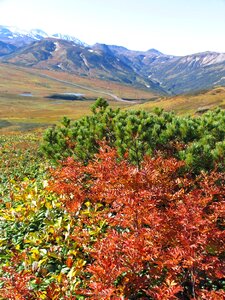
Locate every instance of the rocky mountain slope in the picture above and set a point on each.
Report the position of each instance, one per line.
(6, 48)
(97, 61)
(150, 69)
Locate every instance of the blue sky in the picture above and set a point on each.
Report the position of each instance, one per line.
(178, 27)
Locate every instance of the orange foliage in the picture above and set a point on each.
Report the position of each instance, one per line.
(163, 236)
(16, 285)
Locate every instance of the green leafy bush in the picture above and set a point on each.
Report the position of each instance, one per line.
(197, 140)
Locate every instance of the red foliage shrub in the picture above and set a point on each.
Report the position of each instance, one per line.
(163, 233)
(16, 285)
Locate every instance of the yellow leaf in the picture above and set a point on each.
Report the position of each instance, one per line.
(170, 283)
(71, 273)
(72, 252)
(88, 203)
(35, 254)
(17, 247)
(59, 277)
(41, 295)
(52, 254)
(42, 261)
(48, 205)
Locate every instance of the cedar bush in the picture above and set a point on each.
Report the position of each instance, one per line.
(199, 141)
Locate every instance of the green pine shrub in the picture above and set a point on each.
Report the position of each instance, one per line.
(199, 141)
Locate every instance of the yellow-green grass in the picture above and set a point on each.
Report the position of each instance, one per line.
(121, 90)
(14, 79)
(189, 103)
(23, 112)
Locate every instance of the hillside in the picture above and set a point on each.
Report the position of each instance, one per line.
(25, 106)
(23, 93)
(97, 62)
(150, 70)
(189, 103)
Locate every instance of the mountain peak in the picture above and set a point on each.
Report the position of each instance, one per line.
(102, 48)
(154, 51)
(38, 34)
(10, 33)
(69, 38)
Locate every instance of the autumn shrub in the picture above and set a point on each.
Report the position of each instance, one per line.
(20, 159)
(111, 230)
(148, 233)
(133, 217)
(36, 248)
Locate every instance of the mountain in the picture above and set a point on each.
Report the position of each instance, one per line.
(188, 73)
(151, 69)
(21, 38)
(97, 61)
(37, 34)
(6, 48)
(16, 37)
(69, 38)
(177, 74)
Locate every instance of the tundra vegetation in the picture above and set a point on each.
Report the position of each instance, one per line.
(115, 205)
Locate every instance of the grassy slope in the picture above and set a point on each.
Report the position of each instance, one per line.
(190, 103)
(31, 112)
(23, 113)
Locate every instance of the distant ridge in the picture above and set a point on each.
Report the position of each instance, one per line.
(24, 37)
(151, 69)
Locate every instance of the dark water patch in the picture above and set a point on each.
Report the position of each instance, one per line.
(5, 123)
(23, 127)
(67, 96)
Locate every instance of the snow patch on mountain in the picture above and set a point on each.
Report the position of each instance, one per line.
(57, 46)
(204, 58)
(84, 60)
(11, 32)
(14, 32)
(37, 34)
(69, 38)
(213, 58)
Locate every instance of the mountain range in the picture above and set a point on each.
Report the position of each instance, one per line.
(153, 70)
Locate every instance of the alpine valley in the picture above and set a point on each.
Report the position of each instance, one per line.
(152, 70)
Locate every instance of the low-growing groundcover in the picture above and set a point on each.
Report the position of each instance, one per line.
(109, 228)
